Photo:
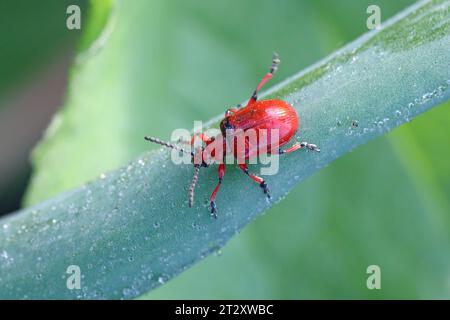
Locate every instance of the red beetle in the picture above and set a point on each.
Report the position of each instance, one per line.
(259, 116)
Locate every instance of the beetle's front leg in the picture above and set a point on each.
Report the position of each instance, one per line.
(202, 136)
(221, 173)
(262, 183)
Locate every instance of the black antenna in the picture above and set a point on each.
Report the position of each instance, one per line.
(193, 183)
(167, 144)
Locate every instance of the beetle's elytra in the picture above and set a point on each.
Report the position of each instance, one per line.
(262, 118)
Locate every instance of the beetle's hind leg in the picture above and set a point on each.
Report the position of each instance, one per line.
(309, 146)
(300, 145)
(221, 174)
(262, 183)
(273, 68)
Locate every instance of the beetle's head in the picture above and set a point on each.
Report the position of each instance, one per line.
(225, 125)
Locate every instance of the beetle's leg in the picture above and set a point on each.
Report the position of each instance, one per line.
(221, 172)
(309, 146)
(206, 139)
(273, 69)
(257, 179)
(294, 147)
(202, 137)
(299, 145)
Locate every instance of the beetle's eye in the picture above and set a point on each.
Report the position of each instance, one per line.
(228, 113)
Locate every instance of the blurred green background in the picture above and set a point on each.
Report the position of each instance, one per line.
(36, 50)
(386, 203)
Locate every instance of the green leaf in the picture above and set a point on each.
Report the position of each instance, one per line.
(131, 230)
(45, 33)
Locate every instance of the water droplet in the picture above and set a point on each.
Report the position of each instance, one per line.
(427, 96)
(38, 276)
(355, 123)
(398, 113)
(5, 226)
(102, 176)
(130, 258)
(127, 292)
(4, 254)
(410, 105)
(161, 280)
(156, 225)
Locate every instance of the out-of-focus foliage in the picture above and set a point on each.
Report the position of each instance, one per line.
(34, 44)
(31, 32)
